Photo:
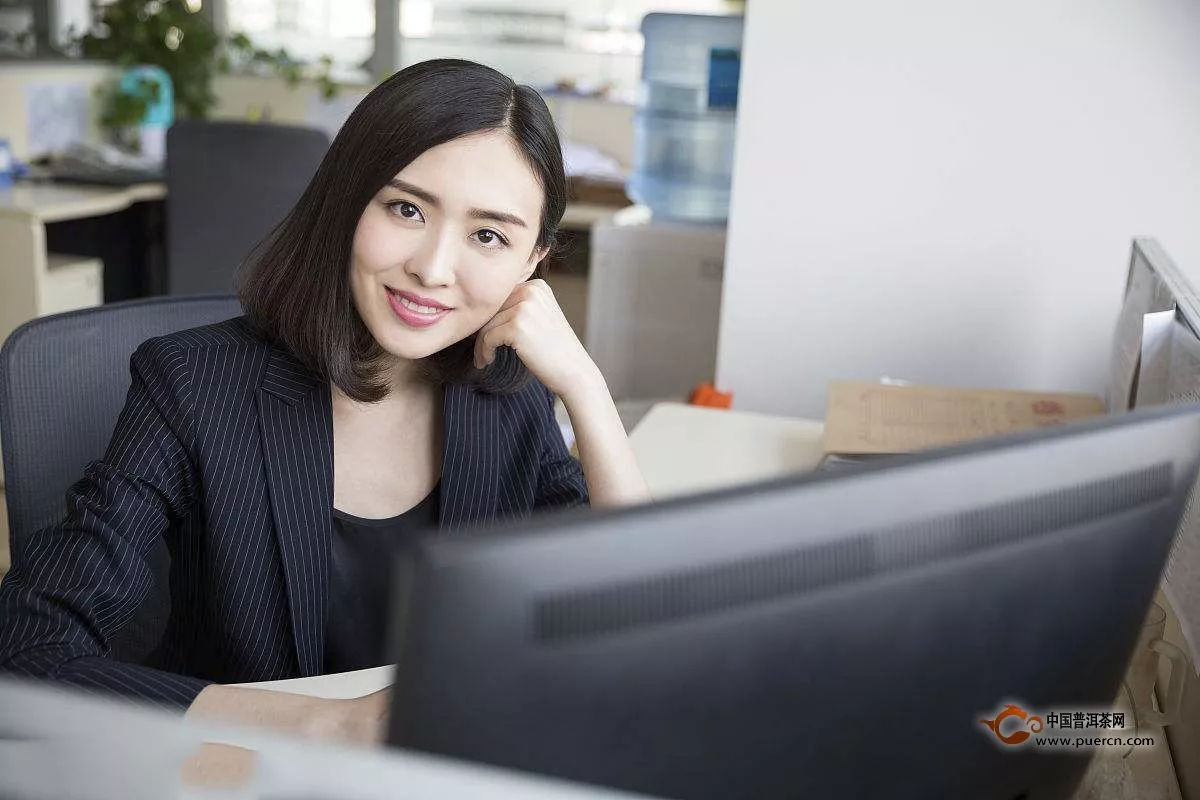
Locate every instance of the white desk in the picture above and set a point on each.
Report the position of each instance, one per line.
(341, 686)
(35, 282)
(55, 202)
(582, 216)
(684, 449)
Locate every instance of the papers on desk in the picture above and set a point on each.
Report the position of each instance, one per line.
(584, 161)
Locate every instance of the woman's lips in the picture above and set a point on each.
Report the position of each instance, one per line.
(416, 311)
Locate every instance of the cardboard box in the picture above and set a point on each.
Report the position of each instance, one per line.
(870, 419)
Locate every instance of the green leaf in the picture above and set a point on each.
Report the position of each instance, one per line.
(125, 34)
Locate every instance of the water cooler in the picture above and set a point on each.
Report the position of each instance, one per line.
(654, 279)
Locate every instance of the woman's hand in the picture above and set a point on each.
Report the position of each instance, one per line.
(361, 721)
(533, 325)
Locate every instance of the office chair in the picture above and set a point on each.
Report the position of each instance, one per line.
(228, 185)
(63, 381)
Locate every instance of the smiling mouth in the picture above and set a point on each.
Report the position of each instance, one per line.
(415, 311)
(407, 301)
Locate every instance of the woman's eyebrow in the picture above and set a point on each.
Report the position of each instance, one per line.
(416, 191)
(497, 216)
(474, 213)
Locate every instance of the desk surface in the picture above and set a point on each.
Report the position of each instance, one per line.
(54, 202)
(582, 216)
(684, 449)
(342, 685)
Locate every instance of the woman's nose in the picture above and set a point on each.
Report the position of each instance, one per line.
(433, 264)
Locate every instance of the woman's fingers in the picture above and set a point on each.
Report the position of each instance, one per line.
(496, 332)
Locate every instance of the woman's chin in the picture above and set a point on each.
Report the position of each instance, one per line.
(404, 347)
(398, 341)
(409, 352)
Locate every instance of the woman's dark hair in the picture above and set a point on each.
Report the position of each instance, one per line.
(295, 288)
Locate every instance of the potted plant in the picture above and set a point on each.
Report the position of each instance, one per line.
(174, 36)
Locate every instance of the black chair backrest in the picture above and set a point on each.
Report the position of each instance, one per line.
(229, 184)
(63, 381)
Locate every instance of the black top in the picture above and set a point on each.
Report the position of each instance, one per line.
(361, 565)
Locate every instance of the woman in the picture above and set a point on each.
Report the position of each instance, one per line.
(378, 384)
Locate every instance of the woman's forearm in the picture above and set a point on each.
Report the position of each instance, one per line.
(361, 721)
(609, 466)
(358, 720)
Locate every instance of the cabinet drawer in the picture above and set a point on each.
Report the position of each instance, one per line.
(71, 282)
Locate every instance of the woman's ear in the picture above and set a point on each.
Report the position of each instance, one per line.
(535, 258)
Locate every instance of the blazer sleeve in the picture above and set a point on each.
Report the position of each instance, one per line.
(77, 582)
(560, 478)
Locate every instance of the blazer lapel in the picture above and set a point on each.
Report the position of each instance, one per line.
(471, 454)
(296, 420)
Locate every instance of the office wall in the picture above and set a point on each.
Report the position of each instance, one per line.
(946, 191)
(252, 97)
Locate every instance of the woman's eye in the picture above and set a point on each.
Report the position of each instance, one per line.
(406, 210)
(490, 238)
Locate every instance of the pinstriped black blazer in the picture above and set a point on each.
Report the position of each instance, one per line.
(225, 449)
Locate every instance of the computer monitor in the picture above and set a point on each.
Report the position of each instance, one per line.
(838, 635)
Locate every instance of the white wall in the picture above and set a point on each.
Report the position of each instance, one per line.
(945, 191)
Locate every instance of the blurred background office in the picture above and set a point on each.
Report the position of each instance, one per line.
(108, 206)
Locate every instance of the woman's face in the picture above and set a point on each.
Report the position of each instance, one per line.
(440, 248)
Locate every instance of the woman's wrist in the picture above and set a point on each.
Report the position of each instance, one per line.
(587, 388)
(358, 720)
(325, 719)
(361, 720)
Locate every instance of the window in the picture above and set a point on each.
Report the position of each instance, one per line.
(586, 44)
(307, 29)
(43, 28)
(16, 28)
